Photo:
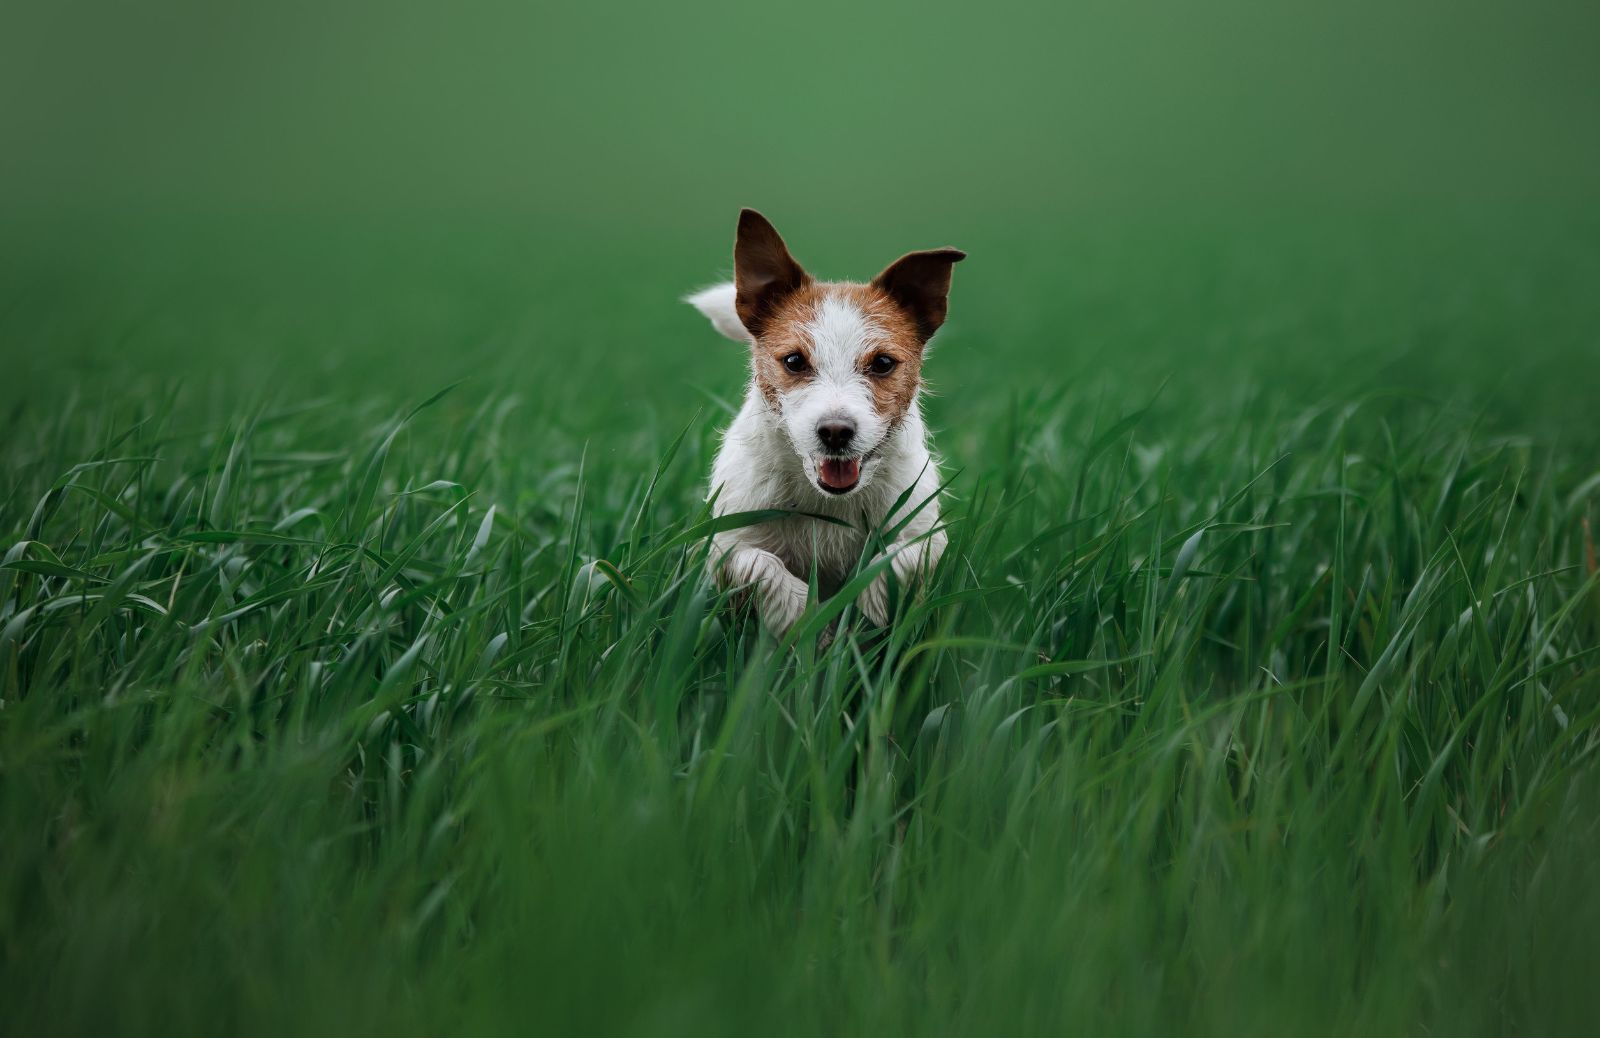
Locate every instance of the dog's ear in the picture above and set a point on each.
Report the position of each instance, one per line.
(764, 273)
(920, 283)
(716, 303)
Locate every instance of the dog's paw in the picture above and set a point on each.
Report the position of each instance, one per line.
(781, 606)
(874, 601)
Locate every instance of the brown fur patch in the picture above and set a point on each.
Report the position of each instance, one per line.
(893, 393)
(782, 334)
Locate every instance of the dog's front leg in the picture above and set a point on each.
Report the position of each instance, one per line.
(911, 563)
(780, 596)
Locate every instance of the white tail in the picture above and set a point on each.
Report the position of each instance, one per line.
(716, 303)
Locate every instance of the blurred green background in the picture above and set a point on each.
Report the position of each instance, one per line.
(395, 196)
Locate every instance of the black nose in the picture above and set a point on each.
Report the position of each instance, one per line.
(836, 436)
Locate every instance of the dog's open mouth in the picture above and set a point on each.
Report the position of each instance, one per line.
(838, 475)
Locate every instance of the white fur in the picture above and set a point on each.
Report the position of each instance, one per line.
(769, 460)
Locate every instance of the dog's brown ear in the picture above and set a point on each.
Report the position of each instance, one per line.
(763, 271)
(920, 282)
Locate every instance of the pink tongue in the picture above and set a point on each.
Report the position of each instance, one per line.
(840, 473)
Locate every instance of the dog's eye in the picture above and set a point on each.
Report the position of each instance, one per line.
(795, 363)
(882, 364)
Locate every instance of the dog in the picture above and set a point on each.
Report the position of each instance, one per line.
(831, 425)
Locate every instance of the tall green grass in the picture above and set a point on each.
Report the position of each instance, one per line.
(1243, 702)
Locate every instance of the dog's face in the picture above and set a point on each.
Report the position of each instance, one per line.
(838, 363)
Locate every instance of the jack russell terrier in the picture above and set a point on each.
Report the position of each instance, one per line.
(831, 424)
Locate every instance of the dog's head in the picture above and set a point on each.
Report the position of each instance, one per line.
(839, 363)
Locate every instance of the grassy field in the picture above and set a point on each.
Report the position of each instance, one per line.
(1256, 694)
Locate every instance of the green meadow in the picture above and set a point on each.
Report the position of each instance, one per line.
(358, 668)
